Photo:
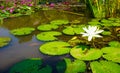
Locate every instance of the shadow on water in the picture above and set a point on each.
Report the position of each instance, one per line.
(24, 47)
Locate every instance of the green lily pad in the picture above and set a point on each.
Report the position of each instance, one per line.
(118, 35)
(47, 27)
(48, 36)
(73, 30)
(111, 53)
(114, 44)
(55, 48)
(106, 21)
(71, 67)
(33, 65)
(59, 22)
(91, 54)
(22, 31)
(4, 41)
(94, 23)
(106, 33)
(104, 67)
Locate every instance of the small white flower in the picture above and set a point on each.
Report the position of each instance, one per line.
(91, 31)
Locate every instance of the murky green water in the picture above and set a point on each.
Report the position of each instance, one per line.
(28, 46)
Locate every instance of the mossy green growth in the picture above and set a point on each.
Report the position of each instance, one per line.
(33, 65)
(106, 33)
(111, 53)
(4, 41)
(59, 22)
(73, 30)
(86, 54)
(104, 67)
(48, 36)
(55, 48)
(22, 31)
(46, 27)
(71, 67)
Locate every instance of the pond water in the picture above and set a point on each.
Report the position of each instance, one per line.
(25, 47)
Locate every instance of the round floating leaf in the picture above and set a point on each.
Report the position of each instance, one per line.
(48, 36)
(73, 30)
(94, 23)
(104, 67)
(47, 27)
(85, 54)
(106, 33)
(33, 65)
(22, 31)
(106, 21)
(55, 48)
(111, 53)
(71, 67)
(59, 22)
(4, 41)
(114, 44)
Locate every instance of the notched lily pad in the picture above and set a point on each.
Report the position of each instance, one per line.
(22, 31)
(48, 36)
(4, 41)
(111, 53)
(104, 67)
(73, 30)
(59, 22)
(71, 67)
(33, 65)
(55, 48)
(46, 27)
(85, 54)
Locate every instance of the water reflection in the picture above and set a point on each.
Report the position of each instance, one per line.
(28, 46)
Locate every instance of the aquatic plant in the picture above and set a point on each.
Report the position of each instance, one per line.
(46, 27)
(111, 53)
(114, 44)
(91, 32)
(22, 31)
(106, 33)
(4, 41)
(71, 30)
(59, 22)
(86, 54)
(55, 48)
(33, 65)
(71, 67)
(48, 36)
(104, 67)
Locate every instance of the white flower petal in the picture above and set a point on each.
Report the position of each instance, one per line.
(86, 30)
(99, 31)
(97, 36)
(90, 38)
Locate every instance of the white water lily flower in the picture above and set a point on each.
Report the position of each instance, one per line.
(91, 31)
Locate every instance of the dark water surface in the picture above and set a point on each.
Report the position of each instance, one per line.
(25, 47)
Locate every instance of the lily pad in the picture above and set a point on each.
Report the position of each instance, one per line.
(33, 65)
(22, 31)
(106, 33)
(73, 30)
(111, 53)
(4, 41)
(55, 48)
(114, 44)
(59, 22)
(94, 23)
(48, 36)
(71, 67)
(104, 67)
(85, 54)
(46, 27)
